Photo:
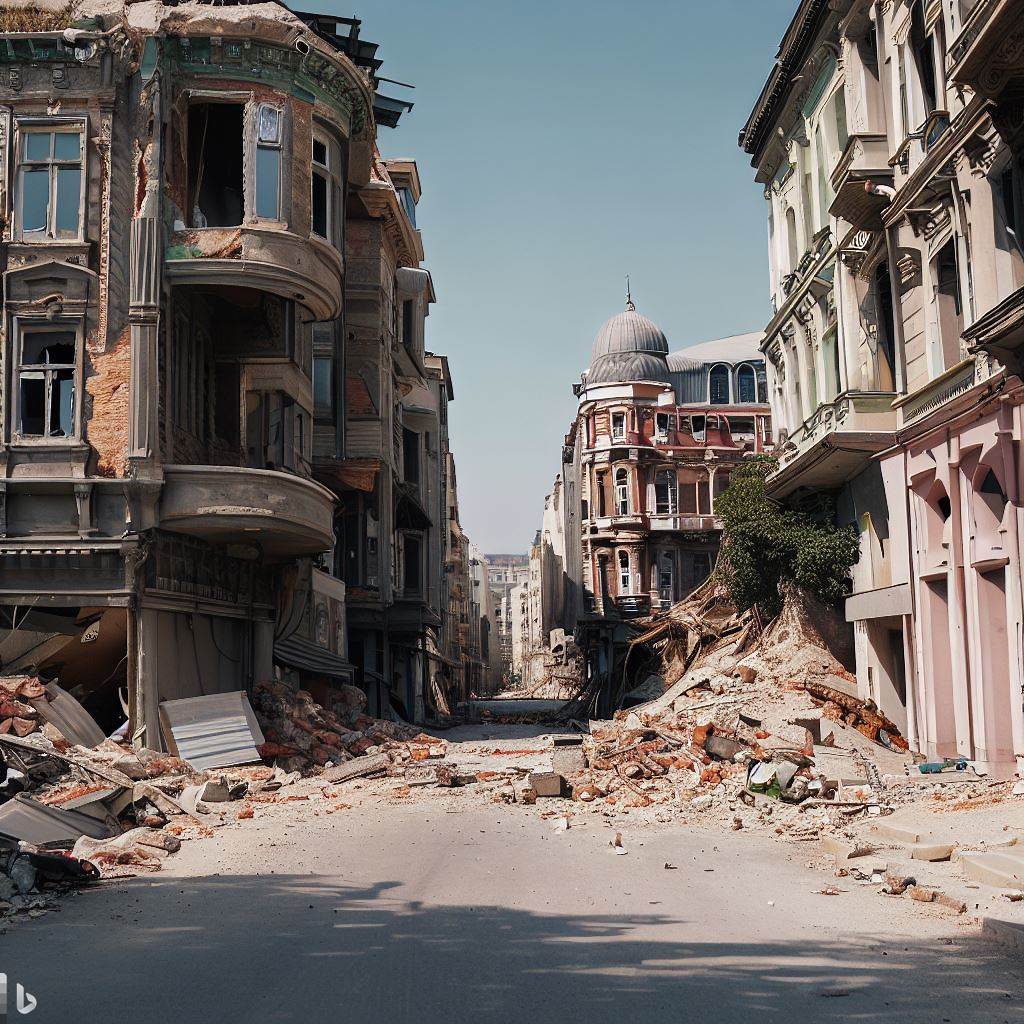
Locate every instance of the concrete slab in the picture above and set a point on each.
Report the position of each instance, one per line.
(999, 869)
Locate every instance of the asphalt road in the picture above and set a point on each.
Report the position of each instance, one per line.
(394, 914)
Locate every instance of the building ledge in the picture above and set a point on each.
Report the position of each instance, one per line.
(972, 53)
(285, 514)
(1000, 333)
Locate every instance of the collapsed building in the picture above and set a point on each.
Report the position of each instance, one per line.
(224, 445)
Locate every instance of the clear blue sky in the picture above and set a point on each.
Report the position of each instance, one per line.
(562, 145)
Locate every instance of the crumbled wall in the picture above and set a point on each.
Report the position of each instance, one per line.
(107, 384)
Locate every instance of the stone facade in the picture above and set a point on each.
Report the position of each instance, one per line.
(888, 141)
(219, 435)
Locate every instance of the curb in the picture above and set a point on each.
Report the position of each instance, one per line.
(1006, 933)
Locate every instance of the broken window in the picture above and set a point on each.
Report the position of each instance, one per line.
(618, 425)
(326, 188)
(215, 174)
(46, 379)
(661, 425)
(666, 492)
(323, 371)
(699, 428)
(268, 161)
(49, 200)
(274, 431)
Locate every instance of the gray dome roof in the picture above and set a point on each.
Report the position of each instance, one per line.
(621, 367)
(629, 332)
(628, 347)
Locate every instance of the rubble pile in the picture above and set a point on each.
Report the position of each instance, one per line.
(71, 813)
(300, 733)
(752, 720)
(17, 716)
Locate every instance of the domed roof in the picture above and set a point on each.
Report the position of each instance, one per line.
(628, 347)
(622, 367)
(629, 332)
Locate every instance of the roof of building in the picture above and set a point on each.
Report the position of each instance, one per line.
(628, 347)
(739, 348)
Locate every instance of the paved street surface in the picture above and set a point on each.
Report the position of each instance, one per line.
(428, 913)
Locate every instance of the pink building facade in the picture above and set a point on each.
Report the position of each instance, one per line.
(889, 142)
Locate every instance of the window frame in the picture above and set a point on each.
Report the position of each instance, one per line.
(618, 435)
(271, 146)
(20, 326)
(333, 173)
(740, 400)
(728, 383)
(622, 495)
(24, 127)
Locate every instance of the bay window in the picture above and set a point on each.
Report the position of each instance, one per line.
(326, 212)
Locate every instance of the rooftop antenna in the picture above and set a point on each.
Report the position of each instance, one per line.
(630, 308)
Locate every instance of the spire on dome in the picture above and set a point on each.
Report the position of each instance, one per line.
(630, 308)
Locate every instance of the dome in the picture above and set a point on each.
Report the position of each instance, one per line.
(628, 347)
(629, 332)
(621, 367)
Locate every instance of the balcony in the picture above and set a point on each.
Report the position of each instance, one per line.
(945, 388)
(631, 606)
(269, 259)
(864, 162)
(983, 54)
(286, 515)
(835, 443)
(686, 522)
(1000, 333)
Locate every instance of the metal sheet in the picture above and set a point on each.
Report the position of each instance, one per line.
(216, 731)
(69, 717)
(42, 825)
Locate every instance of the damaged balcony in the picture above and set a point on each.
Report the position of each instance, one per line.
(865, 162)
(284, 514)
(835, 443)
(240, 227)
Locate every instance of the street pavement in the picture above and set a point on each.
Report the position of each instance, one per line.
(428, 914)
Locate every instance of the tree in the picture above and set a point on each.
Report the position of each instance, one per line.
(766, 543)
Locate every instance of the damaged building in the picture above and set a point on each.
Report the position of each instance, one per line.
(630, 527)
(224, 447)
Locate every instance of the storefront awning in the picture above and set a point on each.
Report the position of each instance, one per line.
(309, 657)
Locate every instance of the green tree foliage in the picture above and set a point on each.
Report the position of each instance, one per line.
(765, 543)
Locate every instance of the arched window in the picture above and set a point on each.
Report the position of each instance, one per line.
(746, 384)
(666, 492)
(621, 492)
(718, 384)
(623, 572)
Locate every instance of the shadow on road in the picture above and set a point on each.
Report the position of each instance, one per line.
(292, 948)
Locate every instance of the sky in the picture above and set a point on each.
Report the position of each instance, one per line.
(562, 145)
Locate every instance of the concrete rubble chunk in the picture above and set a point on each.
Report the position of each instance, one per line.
(547, 784)
(931, 851)
(358, 768)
